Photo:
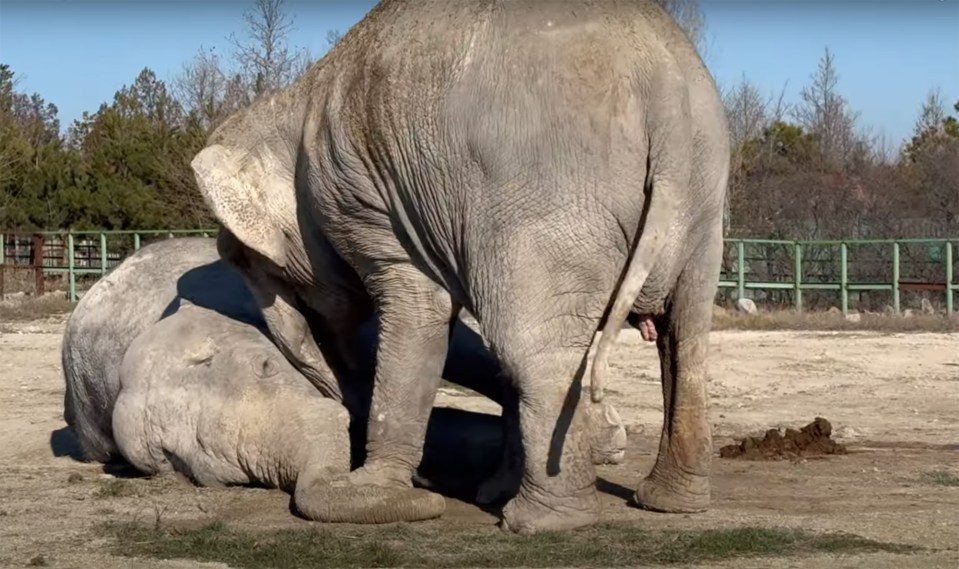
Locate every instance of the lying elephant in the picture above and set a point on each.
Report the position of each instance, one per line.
(152, 284)
(212, 398)
(146, 287)
(554, 168)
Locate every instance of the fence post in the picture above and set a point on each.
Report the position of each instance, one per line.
(895, 277)
(3, 247)
(103, 254)
(136, 241)
(740, 270)
(949, 300)
(36, 259)
(71, 266)
(844, 276)
(797, 274)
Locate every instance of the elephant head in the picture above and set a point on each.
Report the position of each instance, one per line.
(302, 286)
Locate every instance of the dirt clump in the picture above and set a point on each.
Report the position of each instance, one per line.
(811, 440)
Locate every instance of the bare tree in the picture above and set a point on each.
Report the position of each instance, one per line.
(749, 114)
(207, 91)
(333, 37)
(265, 57)
(689, 16)
(825, 113)
(746, 112)
(201, 84)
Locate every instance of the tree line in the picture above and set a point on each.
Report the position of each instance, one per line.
(801, 171)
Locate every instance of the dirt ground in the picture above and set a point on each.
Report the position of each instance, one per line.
(892, 399)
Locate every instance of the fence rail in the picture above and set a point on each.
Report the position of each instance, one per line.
(76, 254)
(860, 268)
(802, 274)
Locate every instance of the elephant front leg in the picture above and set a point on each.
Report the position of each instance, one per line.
(415, 316)
(679, 480)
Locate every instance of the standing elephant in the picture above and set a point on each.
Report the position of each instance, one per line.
(553, 167)
(151, 285)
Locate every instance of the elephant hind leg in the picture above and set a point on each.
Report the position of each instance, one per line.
(679, 480)
(607, 440)
(558, 489)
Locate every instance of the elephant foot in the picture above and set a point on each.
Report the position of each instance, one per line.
(527, 517)
(690, 496)
(366, 497)
(607, 434)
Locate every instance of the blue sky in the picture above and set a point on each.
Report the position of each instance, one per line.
(889, 53)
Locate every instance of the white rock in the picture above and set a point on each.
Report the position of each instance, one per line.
(746, 305)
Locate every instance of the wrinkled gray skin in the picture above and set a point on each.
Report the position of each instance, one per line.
(151, 284)
(211, 397)
(553, 167)
(148, 285)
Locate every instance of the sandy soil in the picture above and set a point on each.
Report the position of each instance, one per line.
(892, 398)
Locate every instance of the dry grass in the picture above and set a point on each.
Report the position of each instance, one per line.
(438, 544)
(19, 281)
(28, 308)
(115, 488)
(941, 478)
(831, 321)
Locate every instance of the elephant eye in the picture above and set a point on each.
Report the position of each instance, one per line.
(265, 368)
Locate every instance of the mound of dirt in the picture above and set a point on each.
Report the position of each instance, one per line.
(811, 440)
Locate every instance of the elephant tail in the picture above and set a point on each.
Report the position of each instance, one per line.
(660, 215)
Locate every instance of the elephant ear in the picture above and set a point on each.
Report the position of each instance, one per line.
(250, 195)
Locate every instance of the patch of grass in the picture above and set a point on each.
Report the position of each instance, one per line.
(831, 321)
(74, 478)
(34, 308)
(941, 478)
(437, 544)
(115, 488)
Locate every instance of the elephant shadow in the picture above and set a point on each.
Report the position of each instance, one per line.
(63, 443)
(463, 448)
(218, 287)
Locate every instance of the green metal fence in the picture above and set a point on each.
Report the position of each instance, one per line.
(884, 270)
(76, 255)
(802, 274)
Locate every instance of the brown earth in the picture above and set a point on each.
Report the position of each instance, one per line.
(892, 400)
